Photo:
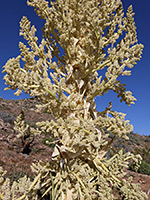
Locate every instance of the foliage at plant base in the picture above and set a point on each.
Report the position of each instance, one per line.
(86, 38)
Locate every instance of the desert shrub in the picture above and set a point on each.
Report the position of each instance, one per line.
(147, 139)
(7, 117)
(134, 139)
(144, 168)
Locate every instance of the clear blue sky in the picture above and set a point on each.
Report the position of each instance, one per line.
(139, 83)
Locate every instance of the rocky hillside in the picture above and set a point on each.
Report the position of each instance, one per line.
(17, 163)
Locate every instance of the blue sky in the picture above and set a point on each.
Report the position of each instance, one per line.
(11, 13)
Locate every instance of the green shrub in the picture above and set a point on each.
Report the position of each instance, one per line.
(144, 168)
